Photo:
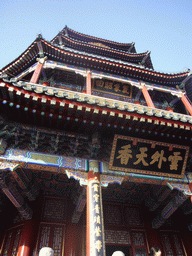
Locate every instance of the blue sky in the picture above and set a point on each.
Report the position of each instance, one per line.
(163, 27)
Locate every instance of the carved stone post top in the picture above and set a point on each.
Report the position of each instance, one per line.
(46, 251)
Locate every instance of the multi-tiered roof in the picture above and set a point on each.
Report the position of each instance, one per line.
(59, 102)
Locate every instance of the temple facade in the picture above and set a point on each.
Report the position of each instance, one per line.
(95, 151)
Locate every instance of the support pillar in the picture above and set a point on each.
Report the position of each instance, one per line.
(186, 104)
(88, 83)
(147, 97)
(95, 227)
(27, 238)
(37, 71)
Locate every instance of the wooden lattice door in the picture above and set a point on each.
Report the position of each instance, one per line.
(11, 242)
(172, 244)
(51, 235)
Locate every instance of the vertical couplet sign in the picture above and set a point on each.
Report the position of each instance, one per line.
(97, 247)
(148, 157)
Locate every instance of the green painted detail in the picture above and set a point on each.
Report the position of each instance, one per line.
(86, 165)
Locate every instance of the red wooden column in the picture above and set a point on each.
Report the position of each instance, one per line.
(95, 227)
(37, 71)
(88, 83)
(27, 238)
(186, 103)
(147, 97)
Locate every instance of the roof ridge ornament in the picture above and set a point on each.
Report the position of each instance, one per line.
(145, 57)
(131, 47)
(39, 37)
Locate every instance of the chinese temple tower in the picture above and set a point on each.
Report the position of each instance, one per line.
(95, 151)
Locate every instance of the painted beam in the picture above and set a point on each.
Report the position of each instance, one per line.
(77, 167)
(169, 209)
(80, 206)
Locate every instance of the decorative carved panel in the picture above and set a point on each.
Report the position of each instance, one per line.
(51, 235)
(117, 237)
(167, 244)
(132, 216)
(172, 244)
(54, 209)
(113, 214)
(138, 239)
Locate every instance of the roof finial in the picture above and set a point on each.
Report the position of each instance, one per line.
(131, 47)
(145, 57)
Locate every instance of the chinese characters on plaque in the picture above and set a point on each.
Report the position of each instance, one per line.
(113, 87)
(96, 223)
(148, 157)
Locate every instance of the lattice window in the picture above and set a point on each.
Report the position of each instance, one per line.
(132, 216)
(178, 246)
(117, 237)
(167, 244)
(7, 244)
(124, 237)
(44, 237)
(112, 214)
(51, 235)
(11, 243)
(172, 244)
(57, 240)
(16, 242)
(110, 236)
(138, 239)
(54, 209)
